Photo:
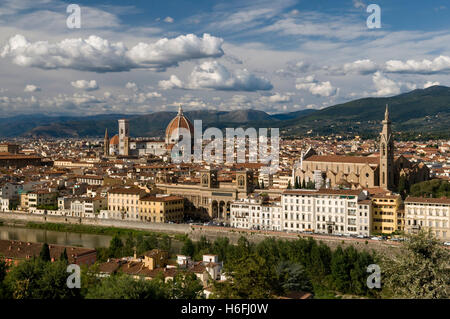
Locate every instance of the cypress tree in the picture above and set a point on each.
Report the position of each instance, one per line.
(45, 253)
(64, 256)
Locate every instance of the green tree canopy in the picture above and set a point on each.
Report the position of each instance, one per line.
(420, 270)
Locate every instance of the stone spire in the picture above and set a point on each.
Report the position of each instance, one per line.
(386, 113)
(106, 144)
(180, 110)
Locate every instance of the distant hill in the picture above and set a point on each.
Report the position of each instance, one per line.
(422, 111)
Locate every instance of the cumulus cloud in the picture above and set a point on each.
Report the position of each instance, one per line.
(31, 88)
(386, 86)
(172, 83)
(169, 20)
(132, 86)
(440, 64)
(99, 55)
(294, 68)
(430, 83)
(315, 87)
(363, 67)
(213, 75)
(85, 85)
(276, 98)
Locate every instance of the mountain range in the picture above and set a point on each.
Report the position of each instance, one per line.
(422, 111)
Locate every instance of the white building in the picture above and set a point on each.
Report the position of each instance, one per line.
(4, 204)
(326, 211)
(431, 213)
(256, 214)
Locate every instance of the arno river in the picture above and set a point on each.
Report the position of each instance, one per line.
(54, 237)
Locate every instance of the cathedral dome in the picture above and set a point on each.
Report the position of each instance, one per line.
(114, 140)
(180, 121)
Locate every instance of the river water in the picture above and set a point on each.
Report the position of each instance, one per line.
(54, 237)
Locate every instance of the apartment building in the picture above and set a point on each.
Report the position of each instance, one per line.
(41, 199)
(161, 209)
(87, 207)
(431, 213)
(10, 190)
(388, 213)
(255, 213)
(123, 203)
(326, 211)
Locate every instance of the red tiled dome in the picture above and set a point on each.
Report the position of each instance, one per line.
(114, 140)
(180, 121)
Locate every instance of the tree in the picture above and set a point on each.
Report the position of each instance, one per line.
(185, 285)
(122, 286)
(188, 248)
(339, 270)
(52, 284)
(292, 277)
(402, 186)
(303, 184)
(420, 270)
(3, 270)
(37, 279)
(64, 256)
(289, 186)
(250, 277)
(44, 255)
(296, 184)
(262, 185)
(130, 245)
(115, 247)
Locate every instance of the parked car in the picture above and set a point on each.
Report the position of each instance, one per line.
(447, 243)
(375, 238)
(360, 236)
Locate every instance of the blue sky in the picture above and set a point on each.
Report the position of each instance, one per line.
(275, 56)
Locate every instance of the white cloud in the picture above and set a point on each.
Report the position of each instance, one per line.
(132, 86)
(213, 75)
(387, 87)
(85, 85)
(315, 87)
(169, 20)
(430, 83)
(99, 55)
(172, 83)
(276, 98)
(363, 67)
(358, 4)
(384, 85)
(440, 64)
(31, 88)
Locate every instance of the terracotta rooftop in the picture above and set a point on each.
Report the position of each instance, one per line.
(344, 159)
(322, 192)
(427, 200)
(22, 250)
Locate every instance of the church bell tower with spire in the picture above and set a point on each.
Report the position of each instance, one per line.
(106, 144)
(386, 153)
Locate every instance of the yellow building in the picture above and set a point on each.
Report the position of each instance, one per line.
(123, 202)
(161, 209)
(388, 214)
(155, 258)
